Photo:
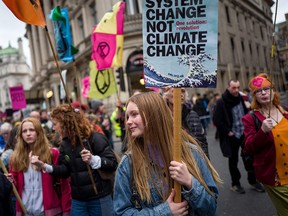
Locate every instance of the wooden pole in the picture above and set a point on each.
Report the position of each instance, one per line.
(272, 57)
(14, 189)
(77, 81)
(177, 141)
(68, 100)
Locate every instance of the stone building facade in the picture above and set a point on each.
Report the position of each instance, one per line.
(244, 44)
(14, 71)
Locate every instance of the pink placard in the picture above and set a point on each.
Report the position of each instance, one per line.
(17, 97)
(85, 86)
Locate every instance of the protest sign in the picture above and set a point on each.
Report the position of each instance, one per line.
(180, 43)
(18, 99)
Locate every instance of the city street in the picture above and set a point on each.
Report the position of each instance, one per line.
(251, 203)
(230, 203)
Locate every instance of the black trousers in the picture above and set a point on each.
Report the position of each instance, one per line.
(233, 162)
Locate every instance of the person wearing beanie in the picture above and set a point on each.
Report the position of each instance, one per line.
(104, 119)
(266, 139)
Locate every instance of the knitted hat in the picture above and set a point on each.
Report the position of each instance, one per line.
(95, 104)
(78, 105)
(259, 82)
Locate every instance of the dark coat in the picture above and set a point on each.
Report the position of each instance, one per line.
(192, 124)
(261, 146)
(71, 164)
(223, 119)
(5, 196)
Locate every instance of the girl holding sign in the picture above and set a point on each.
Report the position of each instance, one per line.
(144, 178)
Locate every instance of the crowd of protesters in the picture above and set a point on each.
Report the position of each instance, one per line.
(63, 162)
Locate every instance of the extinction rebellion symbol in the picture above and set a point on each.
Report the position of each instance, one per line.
(103, 49)
(104, 77)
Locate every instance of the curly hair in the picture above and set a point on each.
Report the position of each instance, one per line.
(158, 135)
(20, 157)
(67, 116)
(276, 99)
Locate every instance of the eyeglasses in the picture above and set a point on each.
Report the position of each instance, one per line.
(259, 91)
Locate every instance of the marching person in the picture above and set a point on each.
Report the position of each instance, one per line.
(266, 139)
(34, 186)
(144, 178)
(74, 159)
(228, 119)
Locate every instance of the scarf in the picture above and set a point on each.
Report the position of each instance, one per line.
(229, 100)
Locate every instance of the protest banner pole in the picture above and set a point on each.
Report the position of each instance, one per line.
(77, 80)
(14, 189)
(272, 57)
(68, 100)
(177, 139)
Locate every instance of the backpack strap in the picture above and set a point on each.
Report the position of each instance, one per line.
(256, 120)
(135, 199)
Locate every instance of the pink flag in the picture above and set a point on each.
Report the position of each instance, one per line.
(85, 86)
(108, 39)
(17, 97)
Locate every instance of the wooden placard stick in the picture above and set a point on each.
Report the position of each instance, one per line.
(177, 141)
(68, 100)
(14, 189)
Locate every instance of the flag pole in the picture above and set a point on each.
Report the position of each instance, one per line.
(69, 102)
(272, 57)
(177, 139)
(14, 189)
(77, 80)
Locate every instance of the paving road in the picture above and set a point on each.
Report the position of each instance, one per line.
(251, 203)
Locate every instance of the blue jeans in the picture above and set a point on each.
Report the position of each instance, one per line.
(101, 206)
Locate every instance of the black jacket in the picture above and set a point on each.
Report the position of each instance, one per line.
(223, 119)
(71, 164)
(5, 196)
(192, 124)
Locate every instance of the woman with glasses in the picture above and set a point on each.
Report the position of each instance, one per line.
(266, 139)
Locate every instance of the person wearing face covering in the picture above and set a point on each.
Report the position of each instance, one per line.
(266, 139)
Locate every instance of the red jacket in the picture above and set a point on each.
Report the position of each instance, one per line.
(261, 146)
(52, 203)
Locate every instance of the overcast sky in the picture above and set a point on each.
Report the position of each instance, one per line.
(11, 28)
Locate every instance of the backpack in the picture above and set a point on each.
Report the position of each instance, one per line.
(257, 126)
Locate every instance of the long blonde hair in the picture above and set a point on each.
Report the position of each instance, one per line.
(158, 139)
(41, 147)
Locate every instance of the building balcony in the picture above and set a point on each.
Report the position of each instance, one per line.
(133, 24)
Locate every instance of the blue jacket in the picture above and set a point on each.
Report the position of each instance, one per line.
(200, 201)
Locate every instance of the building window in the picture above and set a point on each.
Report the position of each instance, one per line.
(233, 49)
(258, 57)
(133, 7)
(219, 56)
(239, 21)
(227, 14)
(265, 57)
(7, 96)
(261, 32)
(81, 27)
(250, 49)
(93, 12)
(243, 51)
